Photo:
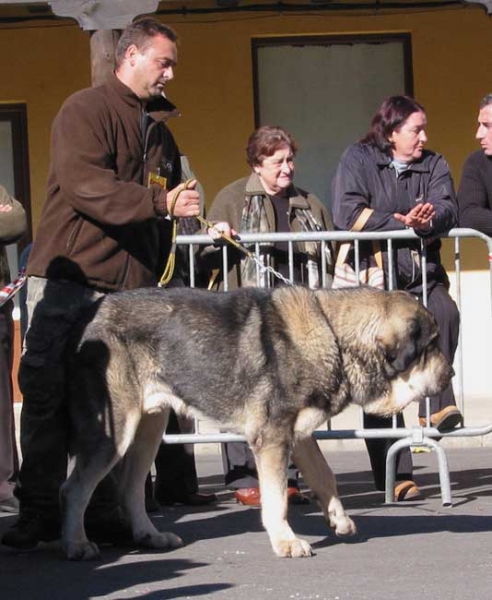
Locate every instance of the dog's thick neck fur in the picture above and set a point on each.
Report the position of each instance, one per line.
(355, 337)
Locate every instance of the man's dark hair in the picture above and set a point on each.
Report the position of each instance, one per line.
(139, 33)
(486, 101)
(390, 116)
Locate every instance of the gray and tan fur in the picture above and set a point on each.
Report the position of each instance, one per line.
(273, 365)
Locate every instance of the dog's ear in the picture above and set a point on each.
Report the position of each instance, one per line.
(403, 344)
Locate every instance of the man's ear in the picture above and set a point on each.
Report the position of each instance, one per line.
(131, 54)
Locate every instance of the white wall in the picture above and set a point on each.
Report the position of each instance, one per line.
(476, 333)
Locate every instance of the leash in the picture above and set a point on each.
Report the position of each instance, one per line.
(242, 248)
(171, 261)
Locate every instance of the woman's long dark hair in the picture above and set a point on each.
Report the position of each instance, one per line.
(390, 116)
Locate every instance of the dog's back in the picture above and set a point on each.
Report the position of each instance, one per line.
(215, 351)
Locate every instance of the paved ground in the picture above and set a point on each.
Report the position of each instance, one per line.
(408, 551)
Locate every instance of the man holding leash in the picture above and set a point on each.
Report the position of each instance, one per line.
(475, 192)
(115, 173)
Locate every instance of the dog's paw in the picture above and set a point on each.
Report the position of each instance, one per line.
(296, 548)
(81, 551)
(343, 525)
(160, 541)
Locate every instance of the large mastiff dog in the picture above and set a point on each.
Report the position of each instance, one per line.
(273, 365)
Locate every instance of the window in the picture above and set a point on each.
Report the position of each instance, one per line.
(324, 90)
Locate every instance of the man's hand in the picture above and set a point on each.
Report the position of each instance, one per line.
(221, 227)
(419, 217)
(187, 203)
(5, 208)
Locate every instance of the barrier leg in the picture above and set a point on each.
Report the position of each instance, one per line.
(393, 451)
(444, 479)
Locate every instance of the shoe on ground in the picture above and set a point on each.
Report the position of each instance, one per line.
(446, 419)
(193, 499)
(252, 496)
(248, 496)
(9, 505)
(406, 490)
(295, 496)
(30, 529)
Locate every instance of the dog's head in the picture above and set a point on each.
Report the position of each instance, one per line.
(407, 339)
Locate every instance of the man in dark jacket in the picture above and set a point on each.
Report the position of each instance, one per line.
(475, 191)
(115, 168)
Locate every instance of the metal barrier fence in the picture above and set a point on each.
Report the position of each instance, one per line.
(404, 436)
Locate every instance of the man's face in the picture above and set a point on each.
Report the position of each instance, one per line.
(152, 66)
(484, 131)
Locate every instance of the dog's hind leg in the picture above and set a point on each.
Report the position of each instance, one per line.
(271, 462)
(90, 468)
(136, 465)
(320, 478)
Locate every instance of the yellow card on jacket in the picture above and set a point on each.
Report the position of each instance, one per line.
(155, 179)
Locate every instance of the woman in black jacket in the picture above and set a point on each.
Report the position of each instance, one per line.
(406, 187)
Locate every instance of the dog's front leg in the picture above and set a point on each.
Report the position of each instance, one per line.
(271, 462)
(320, 478)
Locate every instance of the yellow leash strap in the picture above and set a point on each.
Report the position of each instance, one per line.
(171, 259)
(227, 238)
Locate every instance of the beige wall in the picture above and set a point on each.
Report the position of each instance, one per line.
(213, 85)
(452, 70)
(41, 66)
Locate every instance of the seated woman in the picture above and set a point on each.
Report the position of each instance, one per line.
(406, 187)
(263, 202)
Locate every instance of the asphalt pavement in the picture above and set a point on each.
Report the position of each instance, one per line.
(407, 551)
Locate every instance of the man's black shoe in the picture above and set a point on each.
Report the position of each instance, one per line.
(30, 529)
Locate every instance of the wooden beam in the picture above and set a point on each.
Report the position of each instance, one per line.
(103, 46)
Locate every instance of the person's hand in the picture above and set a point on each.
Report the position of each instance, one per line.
(419, 217)
(219, 228)
(5, 208)
(187, 203)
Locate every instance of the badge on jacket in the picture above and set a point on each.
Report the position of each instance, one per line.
(156, 179)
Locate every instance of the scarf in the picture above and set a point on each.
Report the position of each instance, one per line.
(254, 220)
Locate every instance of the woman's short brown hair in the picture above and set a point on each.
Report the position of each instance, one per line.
(265, 141)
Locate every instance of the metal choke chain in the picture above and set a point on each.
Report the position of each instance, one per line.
(263, 268)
